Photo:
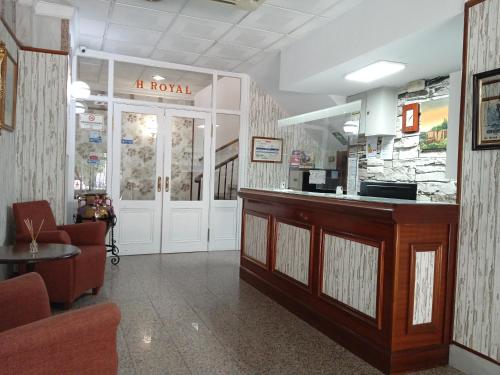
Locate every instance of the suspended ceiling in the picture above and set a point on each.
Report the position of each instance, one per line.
(202, 33)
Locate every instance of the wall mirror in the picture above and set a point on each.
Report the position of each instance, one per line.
(8, 89)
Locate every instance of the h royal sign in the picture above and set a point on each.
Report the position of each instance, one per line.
(163, 87)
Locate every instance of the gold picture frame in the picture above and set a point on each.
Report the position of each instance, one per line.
(8, 89)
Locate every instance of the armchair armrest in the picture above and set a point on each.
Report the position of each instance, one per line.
(50, 236)
(23, 300)
(78, 342)
(90, 233)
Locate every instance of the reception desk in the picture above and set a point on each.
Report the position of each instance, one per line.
(374, 274)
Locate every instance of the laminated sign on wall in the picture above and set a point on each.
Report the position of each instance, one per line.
(91, 121)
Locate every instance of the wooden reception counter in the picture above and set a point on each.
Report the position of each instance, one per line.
(375, 274)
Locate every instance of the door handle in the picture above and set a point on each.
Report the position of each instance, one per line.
(158, 184)
(167, 184)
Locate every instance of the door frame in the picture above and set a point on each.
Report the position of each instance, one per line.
(119, 204)
(168, 245)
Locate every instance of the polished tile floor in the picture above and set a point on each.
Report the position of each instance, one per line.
(190, 314)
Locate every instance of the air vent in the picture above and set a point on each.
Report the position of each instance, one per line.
(250, 5)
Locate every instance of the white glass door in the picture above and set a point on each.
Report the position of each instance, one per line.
(138, 162)
(187, 177)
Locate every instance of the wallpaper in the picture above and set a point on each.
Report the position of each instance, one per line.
(293, 247)
(41, 130)
(256, 238)
(424, 286)
(350, 271)
(477, 300)
(264, 114)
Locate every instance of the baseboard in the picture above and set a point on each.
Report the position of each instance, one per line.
(470, 363)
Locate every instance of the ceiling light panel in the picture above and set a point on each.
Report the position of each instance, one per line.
(199, 28)
(183, 43)
(139, 17)
(177, 57)
(93, 9)
(308, 6)
(132, 35)
(172, 6)
(231, 51)
(92, 27)
(251, 37)
(214, 11)
(375, 71)
(276, 19)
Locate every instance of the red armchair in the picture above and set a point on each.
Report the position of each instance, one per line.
(32, 342)
(66, 279)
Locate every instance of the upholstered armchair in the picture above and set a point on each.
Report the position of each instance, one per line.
(32, 342)
(66, 279)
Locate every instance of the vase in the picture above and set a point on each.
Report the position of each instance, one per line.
(33, 247)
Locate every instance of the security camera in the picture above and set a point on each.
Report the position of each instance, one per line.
(83, 49)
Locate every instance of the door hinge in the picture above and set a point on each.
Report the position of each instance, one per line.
(208, 235)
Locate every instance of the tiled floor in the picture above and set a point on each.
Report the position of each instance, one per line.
(190, 314)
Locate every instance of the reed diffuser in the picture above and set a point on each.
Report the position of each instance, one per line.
(33, 244)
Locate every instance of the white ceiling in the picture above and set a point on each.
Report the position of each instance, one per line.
(203, 33)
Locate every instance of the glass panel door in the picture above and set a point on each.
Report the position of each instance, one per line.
(187, 166)
(138, 177)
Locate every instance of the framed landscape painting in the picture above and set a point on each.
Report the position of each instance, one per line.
(434, 125)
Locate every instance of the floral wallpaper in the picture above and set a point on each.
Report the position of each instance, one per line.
(138, 156)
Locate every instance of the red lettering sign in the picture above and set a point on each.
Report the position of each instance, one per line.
(164, 87)
(139, 84)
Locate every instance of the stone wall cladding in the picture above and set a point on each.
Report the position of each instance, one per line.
(409, 164)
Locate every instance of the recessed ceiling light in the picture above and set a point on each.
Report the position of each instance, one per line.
(375, 71)
(158, 78)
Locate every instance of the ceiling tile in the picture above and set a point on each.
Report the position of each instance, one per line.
(311, 25)
(173, 6)
(213, 10)
(93, 9)
(276, 19)
(177, 57)
(261, 56)
(251, 37)
(282, 43)
(341, 7)
(183, 43)
(217, 63)
(91, 42)
(126, 48)
(92, 27)
(199, 28)
(132, 35)
(231, 51)
(309, 6)
(140, 17)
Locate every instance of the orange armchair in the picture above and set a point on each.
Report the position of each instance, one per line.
(66, 279)
(32, 342)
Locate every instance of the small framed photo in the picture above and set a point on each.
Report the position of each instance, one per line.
(267, 150)
(486, 111)
(411, 118)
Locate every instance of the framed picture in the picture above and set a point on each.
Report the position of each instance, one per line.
(267, 150)
(411, 118)
(8, 89)
(434, 125)
(486, 111)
